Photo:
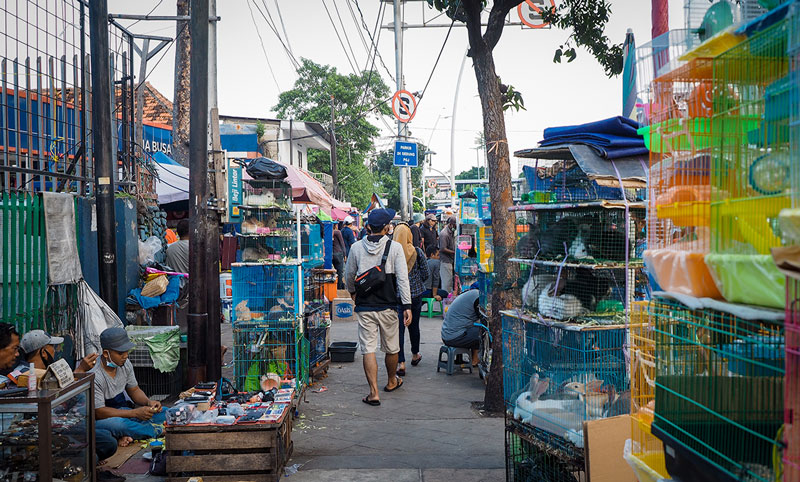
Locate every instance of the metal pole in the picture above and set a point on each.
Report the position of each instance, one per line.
(291, 143)
(398, 63)
(334, 167)
(198, 191)
(453, 135)
(213, 329)
(103, 152)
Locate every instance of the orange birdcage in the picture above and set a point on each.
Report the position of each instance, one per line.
(679, 193)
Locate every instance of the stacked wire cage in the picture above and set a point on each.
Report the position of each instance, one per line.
(679, 198)
(269, 229)
(582, 260)
(534, 455)
(647, 451)
(791, 454)
(751, 163)
(719, 390)
(317, 315)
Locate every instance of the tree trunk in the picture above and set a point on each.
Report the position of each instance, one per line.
(503, 222)
(180, 105)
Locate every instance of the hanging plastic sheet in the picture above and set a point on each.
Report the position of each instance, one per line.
(94, 316)
(63, 263)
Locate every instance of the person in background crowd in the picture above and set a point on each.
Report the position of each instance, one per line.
(120, 421)
(416, 221)
(9, 348)
(447, 251)
(170, 236)
(348, 235)
(458, 327)
(39, 348)
(432, 289)
(417, 274)
(430, 237)
(376, 308)
(363, 234)
(178, 252)
(339, 250)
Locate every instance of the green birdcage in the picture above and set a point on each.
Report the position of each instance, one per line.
(719, 386)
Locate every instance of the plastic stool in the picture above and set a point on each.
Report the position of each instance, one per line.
(452, 352)
(430, 312)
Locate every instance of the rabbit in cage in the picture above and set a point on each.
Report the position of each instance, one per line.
(553, 239)
(588, 288)
(608, 242)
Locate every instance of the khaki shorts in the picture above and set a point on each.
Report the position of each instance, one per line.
(371, 323)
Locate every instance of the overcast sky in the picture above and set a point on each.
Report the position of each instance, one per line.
(555, 94)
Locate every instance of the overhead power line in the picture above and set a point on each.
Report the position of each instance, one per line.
(263, 48)
(272, 27)
(333, 24)
(373, 38)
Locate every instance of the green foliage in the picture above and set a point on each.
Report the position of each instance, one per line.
(473, 173)
(586, 19)
(388, 178)
(260, 129)
(354, 95)
(512, 99)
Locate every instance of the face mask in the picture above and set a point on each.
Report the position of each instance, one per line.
(109, 363)
(47, 358)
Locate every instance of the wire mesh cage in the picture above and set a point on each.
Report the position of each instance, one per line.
(657, 58)
(485, 286)
(556, 376)
(311, 247)
(791, 454)
(750, 157)
(267, 194)
(485, 248)
(580, 294)
(273, 349)
(719, 387)
(565, 182)
(583, 235)
(534, 455)
(264, 291)
(267, 234)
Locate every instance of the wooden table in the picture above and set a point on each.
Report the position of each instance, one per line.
(245, 453)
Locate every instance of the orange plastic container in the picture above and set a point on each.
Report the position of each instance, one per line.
(329, 290)
(682, 272)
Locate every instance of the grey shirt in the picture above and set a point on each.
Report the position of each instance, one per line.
(461, 315)
(178, 256)
(446, 240)
(434, 278)
(107, 387)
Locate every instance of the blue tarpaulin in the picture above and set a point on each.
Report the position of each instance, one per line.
(169, 296)
(612, 138)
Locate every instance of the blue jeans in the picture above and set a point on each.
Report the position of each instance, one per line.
(118, 427)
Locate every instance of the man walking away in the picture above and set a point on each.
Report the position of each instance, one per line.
(339, 251)
(416, 232)
(447, 251)
(178, 252)
(376, 275)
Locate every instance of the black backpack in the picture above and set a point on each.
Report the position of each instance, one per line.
(373, 277)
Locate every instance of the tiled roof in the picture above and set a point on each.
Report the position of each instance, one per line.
(157, 108)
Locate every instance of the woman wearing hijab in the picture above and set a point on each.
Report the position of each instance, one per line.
(417, 274)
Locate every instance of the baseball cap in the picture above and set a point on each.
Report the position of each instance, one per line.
(348, 220)
(37, 339)
(116, 339)
(431, 217)
(417, 217)
(380, 217)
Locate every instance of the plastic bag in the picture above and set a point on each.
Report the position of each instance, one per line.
(155, 287)
(94, 316)
(180, 414)
(209, 416)
(235, 409)
(262, 168)
(148, 250)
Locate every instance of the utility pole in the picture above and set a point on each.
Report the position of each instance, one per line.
(453, 134)
(405, 195)
(334, 167)
(217, 186)
(198, 192)
(103, 152)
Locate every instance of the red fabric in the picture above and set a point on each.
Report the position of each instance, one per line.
(660, 17)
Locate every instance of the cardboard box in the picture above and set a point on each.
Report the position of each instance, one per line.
(343, 310)
(342, 294)
(604, 441)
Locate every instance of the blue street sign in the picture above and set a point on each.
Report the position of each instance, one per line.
(405, 154)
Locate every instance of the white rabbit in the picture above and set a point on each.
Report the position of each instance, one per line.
(527, 401)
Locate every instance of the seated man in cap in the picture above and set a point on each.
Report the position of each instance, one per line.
(119, 420)
(39, 348)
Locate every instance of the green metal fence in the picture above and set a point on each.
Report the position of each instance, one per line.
(23, 260)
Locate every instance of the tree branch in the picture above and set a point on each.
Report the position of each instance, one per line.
(497, 20)
(472, 9)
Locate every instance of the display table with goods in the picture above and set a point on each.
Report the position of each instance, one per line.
(49, 434)
(229, 436)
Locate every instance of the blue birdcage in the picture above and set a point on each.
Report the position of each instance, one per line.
(558, 375)
(266, 291)
(311, 244)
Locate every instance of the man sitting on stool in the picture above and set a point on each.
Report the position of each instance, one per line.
(458, 328)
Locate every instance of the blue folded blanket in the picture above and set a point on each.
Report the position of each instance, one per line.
(612, 138)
